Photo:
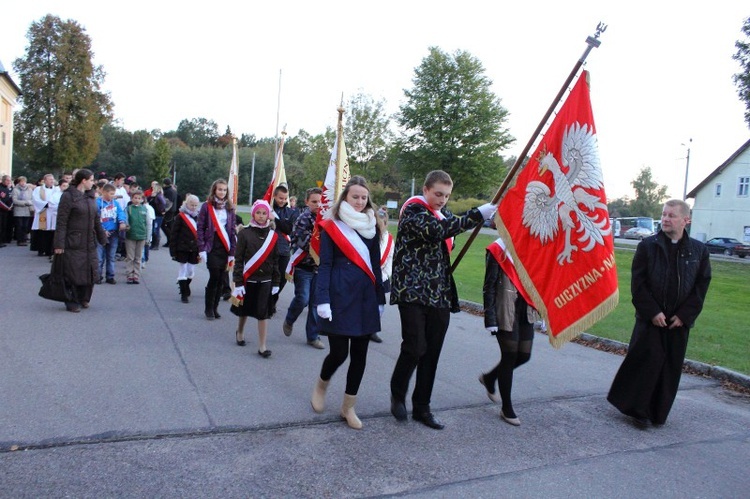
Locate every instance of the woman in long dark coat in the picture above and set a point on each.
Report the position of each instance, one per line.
(349, 291)
(78, 229)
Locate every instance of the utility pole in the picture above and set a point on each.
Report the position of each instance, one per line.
(687, 167)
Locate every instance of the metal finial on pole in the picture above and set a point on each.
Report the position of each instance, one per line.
(592, 42)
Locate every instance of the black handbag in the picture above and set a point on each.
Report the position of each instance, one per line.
(54, 287)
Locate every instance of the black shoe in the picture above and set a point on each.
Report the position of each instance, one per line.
(265, 353)
(428, 419)
(640, 422)
(165, 245)
(398, 409)
(72, 307)
(3, 245)
(111, 280)
(238, 340)
(375, 338)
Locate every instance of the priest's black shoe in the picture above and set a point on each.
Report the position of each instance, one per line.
(398, 409)
(428, 419)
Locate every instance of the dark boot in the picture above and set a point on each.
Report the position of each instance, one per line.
(209, 303)
(187, 286)
(183, 291)
(217, 299)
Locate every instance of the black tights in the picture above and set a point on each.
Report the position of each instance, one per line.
(340, 348)
(515, 349)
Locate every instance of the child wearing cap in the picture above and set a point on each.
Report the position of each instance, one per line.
(256, 274)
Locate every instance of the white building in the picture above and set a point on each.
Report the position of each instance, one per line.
(9, 93)
(721, 205)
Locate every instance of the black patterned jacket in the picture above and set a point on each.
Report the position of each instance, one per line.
(421, 263)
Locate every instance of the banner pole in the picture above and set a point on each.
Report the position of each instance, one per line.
(591, 43)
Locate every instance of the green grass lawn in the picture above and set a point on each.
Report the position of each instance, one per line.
(718, 338)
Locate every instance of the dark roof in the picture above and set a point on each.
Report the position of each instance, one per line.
(6, 75)
(720, 169)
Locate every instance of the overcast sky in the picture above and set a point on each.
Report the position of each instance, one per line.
(662, 76)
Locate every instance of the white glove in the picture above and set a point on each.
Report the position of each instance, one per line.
(324, 311)
(381, 309)
(239, 292)
(202, 255)
(487, 210)
(275, 290)
(492, 329)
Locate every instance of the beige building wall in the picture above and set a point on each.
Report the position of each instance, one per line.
(8, 101)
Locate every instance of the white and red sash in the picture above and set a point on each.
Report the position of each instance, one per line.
(191, 224)
(296, 258)
(439, 215)
(350, 244)
(219, 228)
(260, 256)
(503, 258)
(387, 250)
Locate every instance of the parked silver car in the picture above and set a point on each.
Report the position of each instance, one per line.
(639, 233)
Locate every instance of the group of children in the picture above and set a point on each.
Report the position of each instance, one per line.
(131, 222)
(351, 243)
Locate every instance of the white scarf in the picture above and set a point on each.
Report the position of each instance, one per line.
(362, 222)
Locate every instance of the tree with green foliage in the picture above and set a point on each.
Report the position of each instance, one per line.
(64, 109)
(368, 136)
(452, 121)
(308, 157)
(197, 132)
(649, 196)
(742, 79)
(159, 162)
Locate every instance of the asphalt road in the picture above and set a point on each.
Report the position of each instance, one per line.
(140, 396)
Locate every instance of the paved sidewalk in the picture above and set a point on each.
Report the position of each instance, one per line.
(140, 396)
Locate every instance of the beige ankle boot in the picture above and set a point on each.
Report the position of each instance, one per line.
(318, 400)
(347, 412)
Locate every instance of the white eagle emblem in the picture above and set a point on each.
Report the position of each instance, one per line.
(571, 203)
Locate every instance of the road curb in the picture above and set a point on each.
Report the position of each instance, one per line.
(716, 372)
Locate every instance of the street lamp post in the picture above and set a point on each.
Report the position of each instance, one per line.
(687, 167)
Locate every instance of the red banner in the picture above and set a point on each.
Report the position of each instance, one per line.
(555, 224)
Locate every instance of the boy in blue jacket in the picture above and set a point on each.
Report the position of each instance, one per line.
(113, 220)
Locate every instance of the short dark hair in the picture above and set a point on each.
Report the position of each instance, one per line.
(108, 188)
(311, 191)
(282, 188)
(437, 177)
(119, 175)
(167, 181)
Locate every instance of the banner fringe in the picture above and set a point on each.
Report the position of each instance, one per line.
(588, 320)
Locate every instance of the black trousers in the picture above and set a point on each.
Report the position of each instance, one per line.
(423, 331)
(646, 384)
(3, 226)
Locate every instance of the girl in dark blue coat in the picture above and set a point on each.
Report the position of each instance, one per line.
(349, 291)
